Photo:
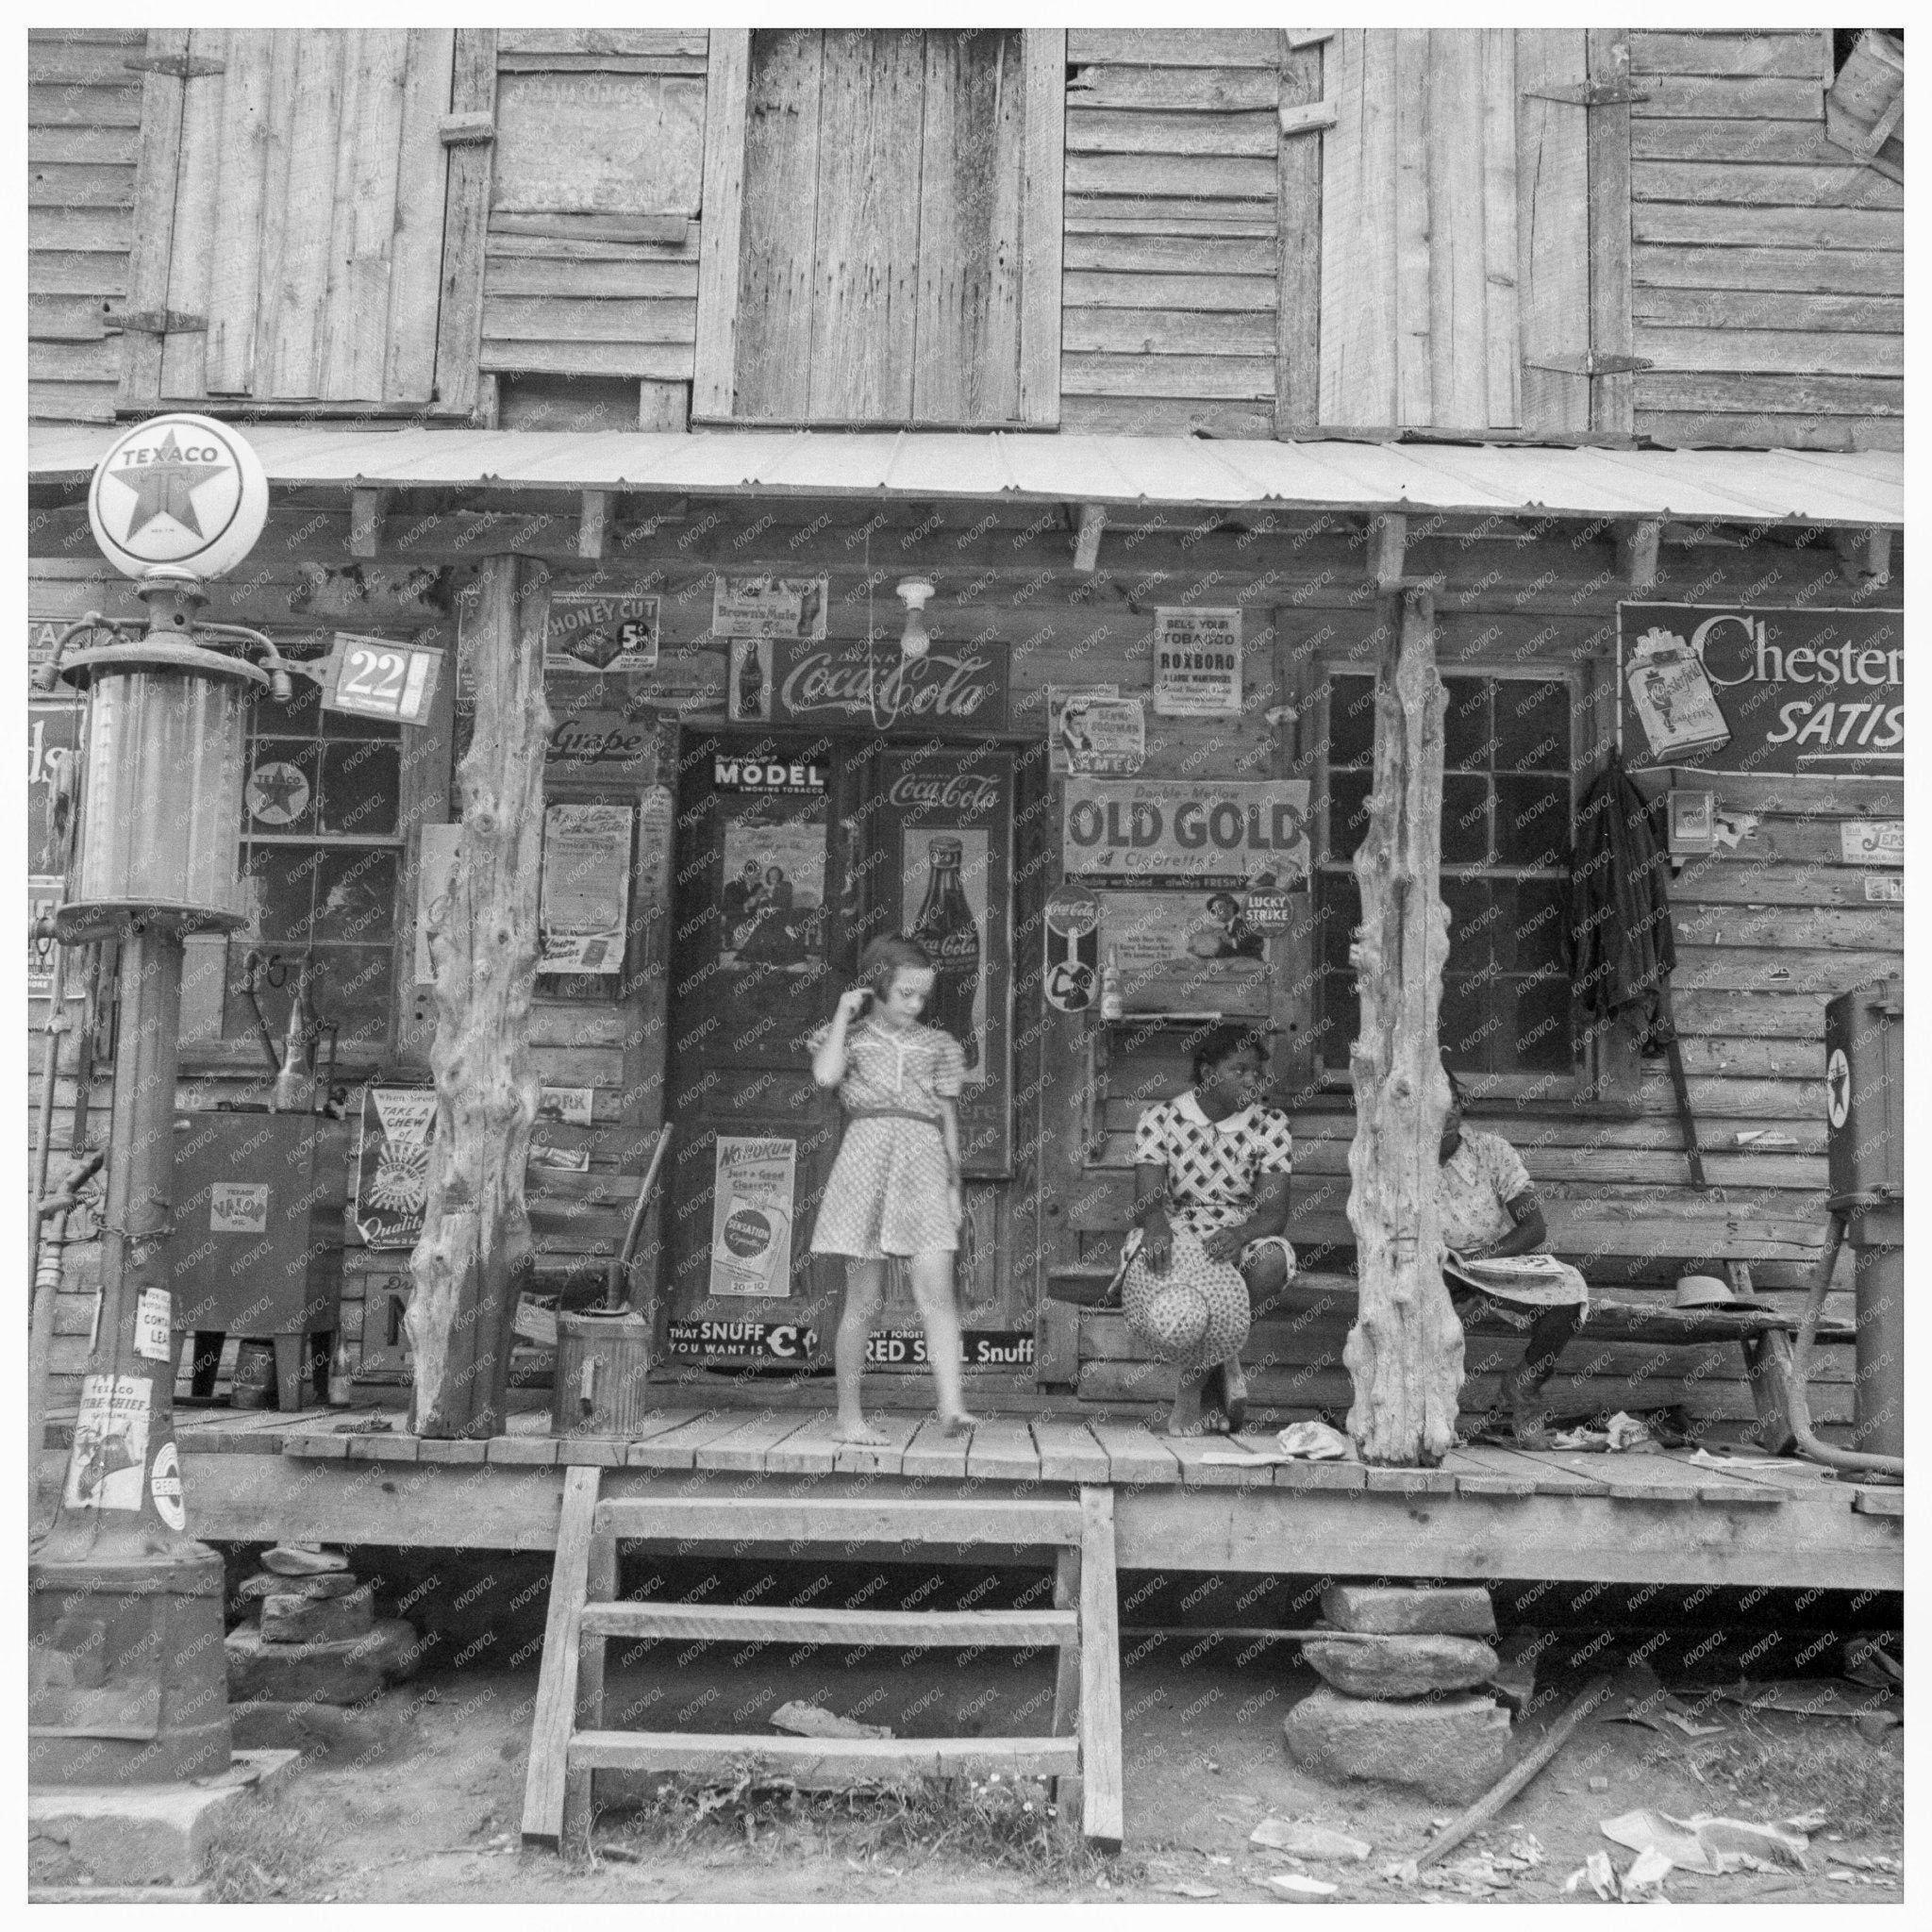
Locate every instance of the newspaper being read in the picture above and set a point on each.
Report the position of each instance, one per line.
(1540, 1279)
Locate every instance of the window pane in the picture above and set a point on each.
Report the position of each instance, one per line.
(360, 780)
(299, 718)
(351, 987)
(1533, 822)
(1351, 720)
(1471, 919)
(280, 882)
(1532, 726)
(1464, 1030)
(1466, 724)
(1348, 813)
(1534, 932)
(1539, 1040)
(283, 777)
(355, 893)
(1465, 819)
(1342, 1018)
(1339, 903)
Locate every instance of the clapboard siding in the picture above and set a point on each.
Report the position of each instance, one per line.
(1737, 200)
(83, 110)
(1168, 297)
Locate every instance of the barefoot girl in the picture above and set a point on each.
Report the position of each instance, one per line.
(895, 1187)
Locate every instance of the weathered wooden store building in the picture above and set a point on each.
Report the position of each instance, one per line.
(638, 372)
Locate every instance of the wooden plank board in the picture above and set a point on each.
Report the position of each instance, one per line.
(465, 227)
(1699, 96)
(1126, 132)
(1553, 226)
(1191, 293)
(809, 1450)
(1167, 48)
(1298, 267)
(1131, 256)
(1762, 51)
(1067, 1451)
(149, 235)
(1764, 184)
(1453, 174)
(242, 155)
(933, 1453)
(877, 1517)
(865, 244)
(190, 259)
(1846, 229)
(750, 1446)
(292, 301)
(79, 184)
(555, 1717)
(773, 274)
(894, 1629)
(1551, 1475)
(1135, 1454)
(1100, 1671)
(1191, 1452)
(1215, 178)
(1872, 1500)
(1210, 90)
(452, 1449)
(422, 174)
(722, 205)
(1168, 375)
(887, 1459)
(1479, 1471)
(1788, 143)
(1502, 245)
(363, 227)
(677, 1447)
(546, 319)
(1166, 214)
(1713, 306)
(1165, 332)
(619, 273)
(1357, 350)
(1003, 1451)
(815, 1761)
(1339, 1474)
(1612, 400)
(967, 330)
(1042, 219)
(1825, 352)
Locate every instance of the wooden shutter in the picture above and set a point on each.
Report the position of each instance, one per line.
(295, 243)
(882, 228)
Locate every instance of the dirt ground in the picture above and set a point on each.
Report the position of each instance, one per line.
(420, 1797)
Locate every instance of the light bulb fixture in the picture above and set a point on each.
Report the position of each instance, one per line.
(915, 639)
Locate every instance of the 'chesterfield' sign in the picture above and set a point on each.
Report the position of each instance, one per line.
(955, 688)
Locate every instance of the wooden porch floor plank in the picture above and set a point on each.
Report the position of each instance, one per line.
(382, 1448)
(592, 1452)
(677, 1448)
(1003, 1451)
(865, 1459)
(933, 1453)
(1878, 1499)
(522, 1451)
(844, 1759)
(1628, 1478)
(451, 1448)
(1482, 1472)
(809, 1449)
(1336, 1473)
(749, 1447)
(319, 1445)
(1067, 1451)
(1191, 1453)
(1553, 1476)
(1135, 1454)
(1408, 1482)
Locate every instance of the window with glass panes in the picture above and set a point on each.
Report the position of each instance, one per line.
(321, 854)
(1505, 871)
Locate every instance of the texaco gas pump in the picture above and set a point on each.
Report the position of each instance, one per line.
(127, 1669)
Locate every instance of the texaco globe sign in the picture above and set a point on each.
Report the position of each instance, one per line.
(179, 490)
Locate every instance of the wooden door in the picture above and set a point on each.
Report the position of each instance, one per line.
(757, 930)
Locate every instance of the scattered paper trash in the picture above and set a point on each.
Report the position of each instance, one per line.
(1596, 1871)
(1306, 1840)
(1660, 1711)
(1647, 1873)
(1187, 1887)
(1703, 1459)
(1714, 1845)
(1316, 1442)
(809, 1721)
(1599, 1784)
(1817, 1697)
(1298, 1885)
(1625, 1431)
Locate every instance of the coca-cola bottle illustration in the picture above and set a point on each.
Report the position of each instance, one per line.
(945, 928)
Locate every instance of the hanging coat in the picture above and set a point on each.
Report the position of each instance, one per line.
(1622, 947)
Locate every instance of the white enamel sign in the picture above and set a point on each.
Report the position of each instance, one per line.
(178, 490)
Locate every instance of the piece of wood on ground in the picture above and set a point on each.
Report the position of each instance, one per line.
(557, 1682)
(1100, 1672)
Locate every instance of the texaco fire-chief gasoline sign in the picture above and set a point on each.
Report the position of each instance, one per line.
(182, 491)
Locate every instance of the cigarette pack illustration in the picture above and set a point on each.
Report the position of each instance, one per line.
(1673, 695)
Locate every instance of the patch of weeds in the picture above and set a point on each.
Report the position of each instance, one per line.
(998, 1821)
(264, 1849)
(1822, 1766)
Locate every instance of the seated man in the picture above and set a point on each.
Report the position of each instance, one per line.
(1489, 1211)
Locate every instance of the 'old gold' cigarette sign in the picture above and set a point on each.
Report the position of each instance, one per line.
(1163, 833)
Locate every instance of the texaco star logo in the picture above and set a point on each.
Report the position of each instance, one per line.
(180, 490)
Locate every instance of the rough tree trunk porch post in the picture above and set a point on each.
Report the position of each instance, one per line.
(475, 1249)
(1404, 1351)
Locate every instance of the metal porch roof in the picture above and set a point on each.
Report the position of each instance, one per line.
(1860, 490)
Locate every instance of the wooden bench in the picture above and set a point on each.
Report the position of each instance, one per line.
(1299, 1330)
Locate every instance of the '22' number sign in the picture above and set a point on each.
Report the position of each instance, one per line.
(376, 677)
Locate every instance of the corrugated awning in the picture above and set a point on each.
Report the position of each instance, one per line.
(1860, 490)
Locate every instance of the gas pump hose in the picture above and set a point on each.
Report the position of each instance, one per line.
(1809, 1444)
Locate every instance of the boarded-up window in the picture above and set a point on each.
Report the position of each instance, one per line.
(882, 228)
(301, 243)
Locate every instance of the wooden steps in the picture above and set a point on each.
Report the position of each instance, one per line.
(568, 1742)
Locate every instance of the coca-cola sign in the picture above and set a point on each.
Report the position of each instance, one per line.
(967, 793)
(954, 688)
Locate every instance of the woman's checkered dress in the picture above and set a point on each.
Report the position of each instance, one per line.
(887, 1193)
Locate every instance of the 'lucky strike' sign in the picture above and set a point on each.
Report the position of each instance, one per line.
(953, 687)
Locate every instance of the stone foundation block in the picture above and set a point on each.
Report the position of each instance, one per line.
(1451, 1748)
(126, 1835)
(1401, 1666)
(340, 1672)
(1463, 1611)
(329, 1583)
(317, 1620)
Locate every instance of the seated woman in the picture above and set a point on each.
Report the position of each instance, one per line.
(1489, 1211)
(1211, 1187)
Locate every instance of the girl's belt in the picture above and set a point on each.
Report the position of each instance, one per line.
(890, 1113)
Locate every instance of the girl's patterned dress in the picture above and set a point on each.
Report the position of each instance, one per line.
(888, 1192)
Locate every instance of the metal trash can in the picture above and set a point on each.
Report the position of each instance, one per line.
(603, 1356)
